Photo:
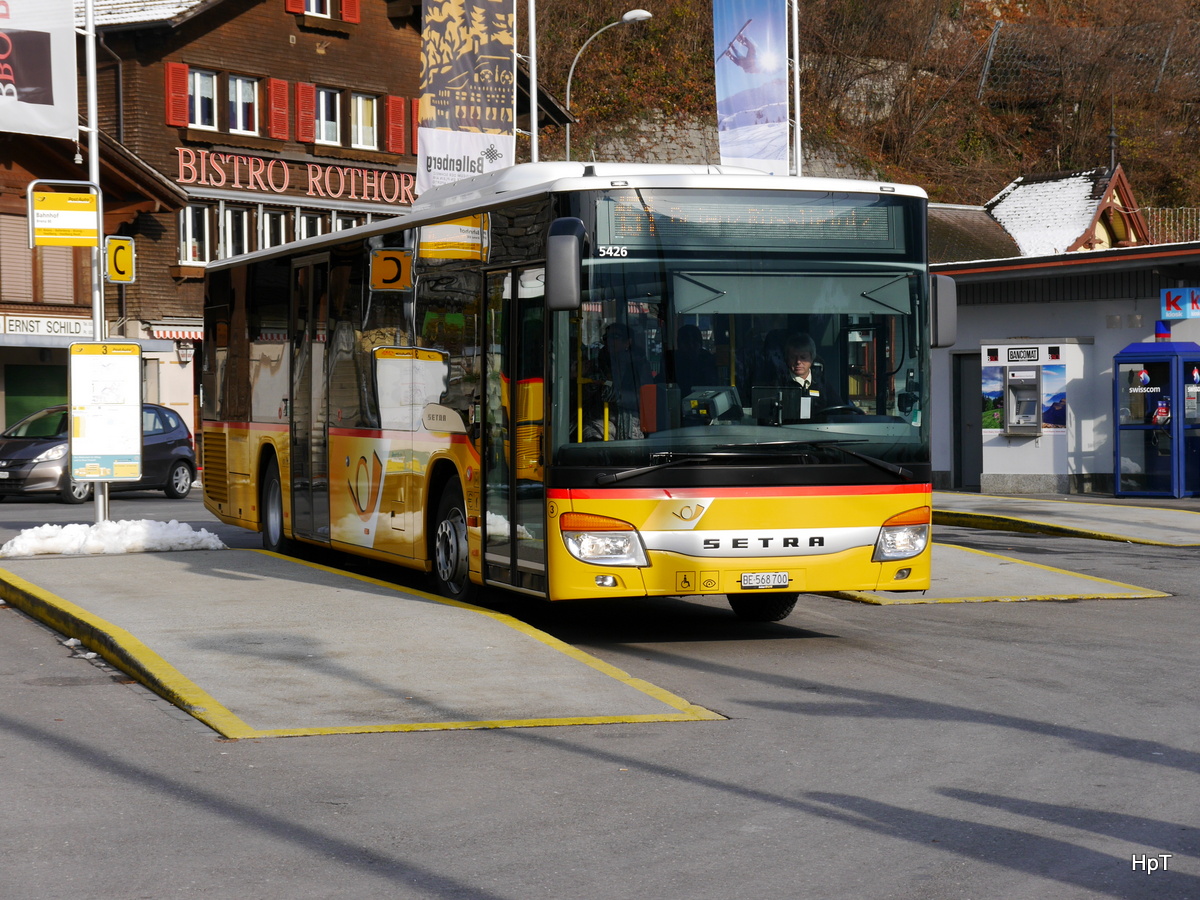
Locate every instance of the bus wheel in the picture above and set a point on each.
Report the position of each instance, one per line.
(762, 607)
(271, 504)
(451, 575)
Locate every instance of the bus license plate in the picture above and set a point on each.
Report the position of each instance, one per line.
(752, 580)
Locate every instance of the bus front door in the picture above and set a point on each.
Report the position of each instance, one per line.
(514, 424)
(309, 402)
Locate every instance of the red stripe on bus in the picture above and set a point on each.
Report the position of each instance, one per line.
(247, 426)
(378, 434)
(738, 492)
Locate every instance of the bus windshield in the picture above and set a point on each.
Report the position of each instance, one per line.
(723, 322)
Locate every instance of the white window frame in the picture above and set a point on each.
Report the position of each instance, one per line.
(272, 220)
(305, 222)
(317, 8)
(202, 87)
(364, 119)
(234, 214)
(329, 106)
(243, 97)
(343, 222)
(195, 235)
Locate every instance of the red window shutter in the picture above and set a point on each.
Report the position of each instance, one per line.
(294, 6)
(351, 11)
(177, 94)
(416, 117)
(397, 116)
(306, 113)
(277, 109)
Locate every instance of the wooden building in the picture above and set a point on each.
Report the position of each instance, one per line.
(243, 124)
(46, 292)
(278, 119)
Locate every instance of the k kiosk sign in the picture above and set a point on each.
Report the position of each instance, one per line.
(1180, 303)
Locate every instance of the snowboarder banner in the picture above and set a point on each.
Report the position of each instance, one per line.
(37, 68)
(750, 40)
(467, 114)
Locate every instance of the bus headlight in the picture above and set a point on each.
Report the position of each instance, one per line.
(903, 536)
(602, 541)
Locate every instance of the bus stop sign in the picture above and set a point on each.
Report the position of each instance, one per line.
(120, 260)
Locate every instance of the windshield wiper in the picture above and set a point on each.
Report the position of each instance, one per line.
(786, 446)
(674, 460)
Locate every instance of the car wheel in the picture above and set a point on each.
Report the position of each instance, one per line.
(179, 481)
(762, 607)
(75, 491)
(451, 574)
(271, 504)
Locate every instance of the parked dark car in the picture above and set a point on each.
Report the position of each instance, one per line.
(33, 456)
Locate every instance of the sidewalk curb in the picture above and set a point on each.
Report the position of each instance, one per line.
(123, 650)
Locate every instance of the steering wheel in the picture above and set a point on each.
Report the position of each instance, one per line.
(841, 410)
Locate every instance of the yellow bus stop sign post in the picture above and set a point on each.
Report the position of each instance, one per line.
(121, 260)
(65, 220)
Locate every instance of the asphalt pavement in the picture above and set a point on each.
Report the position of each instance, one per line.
(255, 644)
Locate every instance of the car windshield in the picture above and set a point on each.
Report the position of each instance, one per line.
(46, 423)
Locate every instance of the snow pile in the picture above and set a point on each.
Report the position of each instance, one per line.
(140, 536)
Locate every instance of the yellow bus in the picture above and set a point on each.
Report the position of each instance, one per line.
(581, 381)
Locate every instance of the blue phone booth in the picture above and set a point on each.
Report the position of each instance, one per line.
(1157, 412)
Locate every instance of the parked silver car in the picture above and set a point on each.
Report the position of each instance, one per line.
(33, 456)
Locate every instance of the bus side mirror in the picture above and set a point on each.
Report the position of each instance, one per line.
(943, 311)
(564, 264)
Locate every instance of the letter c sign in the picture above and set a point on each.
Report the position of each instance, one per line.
(119, 253)
(391, 270)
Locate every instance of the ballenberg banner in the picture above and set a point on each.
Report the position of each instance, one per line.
(750, 39)
(467, 119)
(37, 68)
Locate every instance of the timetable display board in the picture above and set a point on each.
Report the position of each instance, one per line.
(105, 390)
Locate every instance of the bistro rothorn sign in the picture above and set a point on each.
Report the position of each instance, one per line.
(278, 176)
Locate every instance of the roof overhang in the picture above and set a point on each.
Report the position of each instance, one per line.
(1178, 261)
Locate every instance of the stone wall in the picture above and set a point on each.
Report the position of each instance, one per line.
(661, 139)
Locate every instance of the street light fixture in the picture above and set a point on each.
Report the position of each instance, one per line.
(634, 15)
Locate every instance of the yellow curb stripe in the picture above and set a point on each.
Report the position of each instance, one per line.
(995, 522)
(878, 600)
(484, 724)
(124, 651)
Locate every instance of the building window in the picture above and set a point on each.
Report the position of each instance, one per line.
(243, 105)
(236, 231)
(202, 99)
(41, 275)
(195, 237)
(341, 223)
(362, 122)
(311, 225)
(328, 116)
(317, 7)
(274, 228)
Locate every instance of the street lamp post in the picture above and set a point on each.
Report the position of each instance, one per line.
(634, 15)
